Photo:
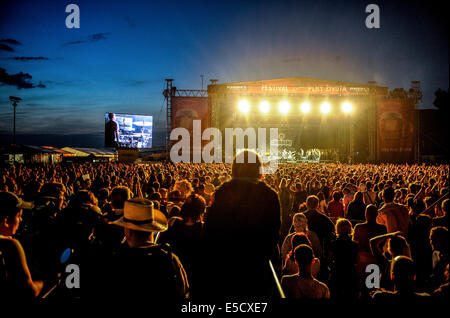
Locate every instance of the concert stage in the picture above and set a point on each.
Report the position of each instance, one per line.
(356, 122)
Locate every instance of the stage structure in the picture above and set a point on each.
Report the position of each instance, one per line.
(341, 121)
(182, 107)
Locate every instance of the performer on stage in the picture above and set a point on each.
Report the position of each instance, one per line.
(111, 132)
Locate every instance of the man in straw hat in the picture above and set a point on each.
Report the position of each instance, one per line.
(140, 268)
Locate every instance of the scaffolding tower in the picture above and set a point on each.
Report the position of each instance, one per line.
(169, 93)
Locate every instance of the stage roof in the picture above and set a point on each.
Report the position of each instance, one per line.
(299, 85)
(84, 152)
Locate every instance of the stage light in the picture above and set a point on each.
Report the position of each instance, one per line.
(284, 107)
(347, 107)
(305, 107)
(325, 108)
(244, 106)
(264, 107)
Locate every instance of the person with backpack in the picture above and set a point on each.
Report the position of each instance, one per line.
(369, 196)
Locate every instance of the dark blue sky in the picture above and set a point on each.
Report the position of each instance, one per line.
(118, 59)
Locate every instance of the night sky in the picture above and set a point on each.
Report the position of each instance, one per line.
(118, 59)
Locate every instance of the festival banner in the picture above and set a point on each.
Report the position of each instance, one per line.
(187, 109)
(395, 130)
(301, 86)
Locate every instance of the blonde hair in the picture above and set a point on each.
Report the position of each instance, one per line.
(300, 222)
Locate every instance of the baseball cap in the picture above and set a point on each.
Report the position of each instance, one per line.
(10, 200)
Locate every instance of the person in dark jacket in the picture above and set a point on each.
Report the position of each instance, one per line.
(356, 209)
(344, 257)
(318, 222)
(323, 227)
(241, 233)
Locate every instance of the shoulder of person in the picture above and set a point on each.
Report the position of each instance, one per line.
(382, 294)
(288, 238)
(13, 247)
(95, 209)
(382, 209)
(161, 250)
(175, 220)
(423, 294)
(11, 242)
(289, 278)
(225, 186)
(442, 290)
(312, 234)
(267, 187)
(319, 283)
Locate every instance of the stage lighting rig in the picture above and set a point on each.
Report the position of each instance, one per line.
(325, 108)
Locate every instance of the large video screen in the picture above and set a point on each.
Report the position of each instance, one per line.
(128, 131)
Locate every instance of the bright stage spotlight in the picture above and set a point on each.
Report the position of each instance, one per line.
(347, 107)
(264, 107)
(325, 108)
(305, 107)
(244, 106)
(284, 107)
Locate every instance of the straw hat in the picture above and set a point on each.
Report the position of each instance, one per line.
(140, 215)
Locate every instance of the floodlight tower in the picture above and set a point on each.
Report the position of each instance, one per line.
(415, 93)
(14, 100)
(168, 94)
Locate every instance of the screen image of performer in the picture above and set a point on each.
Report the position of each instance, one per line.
(111, 132)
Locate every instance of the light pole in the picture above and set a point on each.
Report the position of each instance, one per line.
(14, 100)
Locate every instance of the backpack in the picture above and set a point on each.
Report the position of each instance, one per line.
(134, 273)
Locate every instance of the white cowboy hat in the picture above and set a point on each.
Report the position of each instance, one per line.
(141, 215)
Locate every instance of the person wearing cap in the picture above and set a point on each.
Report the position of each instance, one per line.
(15, 278)
(139, 268)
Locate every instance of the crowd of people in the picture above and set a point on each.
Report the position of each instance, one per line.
(177, 231)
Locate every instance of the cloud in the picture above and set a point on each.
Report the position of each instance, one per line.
(74, 42)
(90, 38)
(10, 41)
(98, 36)
(20, 80)
(28, 58)
(5, 47)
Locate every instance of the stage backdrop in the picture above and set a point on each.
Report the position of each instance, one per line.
(395, 130)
